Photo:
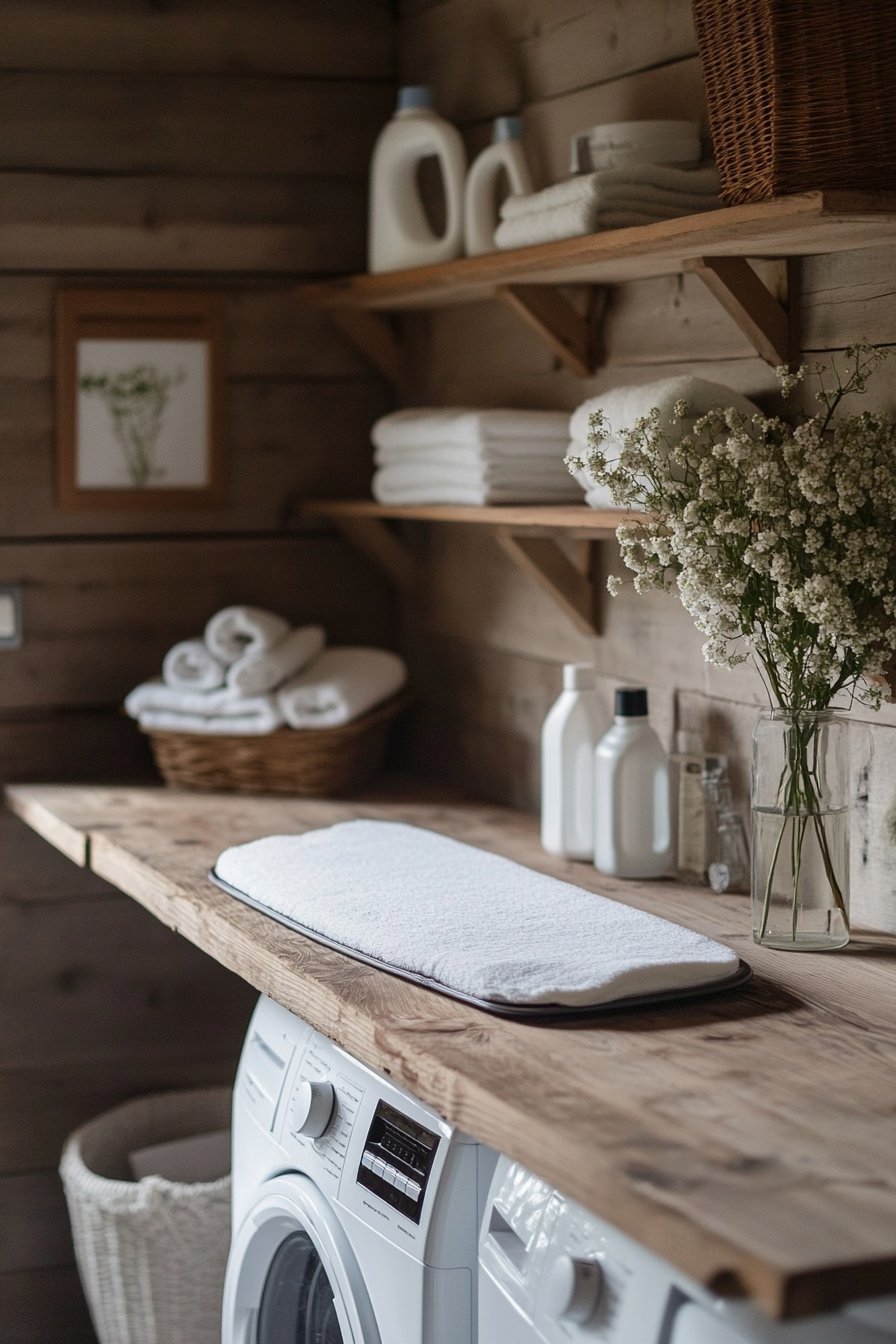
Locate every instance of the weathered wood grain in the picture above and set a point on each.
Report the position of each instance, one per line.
(486, 57)
(712, 1133)
(352, 40)
(100, 122)
(116, 607)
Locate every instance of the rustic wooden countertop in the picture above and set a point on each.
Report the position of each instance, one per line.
(750, 1139)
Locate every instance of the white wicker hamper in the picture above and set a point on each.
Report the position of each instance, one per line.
(151, 1253)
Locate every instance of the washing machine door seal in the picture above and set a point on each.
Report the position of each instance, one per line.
(292, 1276)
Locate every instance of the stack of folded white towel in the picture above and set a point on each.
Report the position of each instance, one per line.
(251, 672)
(623, 407)
(613, 198)
(460, 456)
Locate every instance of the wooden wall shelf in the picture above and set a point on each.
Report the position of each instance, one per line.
(715, 245)
(573, 577)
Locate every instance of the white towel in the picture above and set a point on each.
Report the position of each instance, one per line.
(155, 705)
(467, 919)
(192, 666)
(236, 631)
(390, 488)
(341, 685)
(257, 673)
(515, 454)
(535, 472)
(613, 198)
(625, 406)
(436, 427)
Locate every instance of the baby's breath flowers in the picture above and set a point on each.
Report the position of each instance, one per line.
(779, 537)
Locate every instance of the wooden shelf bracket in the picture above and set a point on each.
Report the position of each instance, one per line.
(373, 334)
(545, 561)
(575, 338)
(386, 552)
(767, 322)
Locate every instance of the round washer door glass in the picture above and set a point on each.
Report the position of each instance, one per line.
(297, 1302)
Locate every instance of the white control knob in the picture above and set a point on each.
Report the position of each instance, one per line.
(312, 1108)
(573, 1289)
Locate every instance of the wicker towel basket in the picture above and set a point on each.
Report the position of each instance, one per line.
(800, 94)
(310, 762)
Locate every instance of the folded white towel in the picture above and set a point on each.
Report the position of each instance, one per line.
(155, 705)
(192, 666)
(257, 673)
(436, 427)
(156, 695)
(236, 631)
(472, 921)
(646, 179)
(625, 406)
(530, 472)
(613, 198)
(341, 685)
(511, 453)
(251, 716)
(388, 488)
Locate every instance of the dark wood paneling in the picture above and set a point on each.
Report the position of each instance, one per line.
(189, 123)
(346, 38)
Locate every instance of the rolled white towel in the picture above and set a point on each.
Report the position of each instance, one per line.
(623, 407)
(251, 716)
(436, 426)
(191, 665)
(258, 673)
(236, 631)
(341, 685)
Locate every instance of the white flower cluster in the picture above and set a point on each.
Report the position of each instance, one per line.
(780, 539)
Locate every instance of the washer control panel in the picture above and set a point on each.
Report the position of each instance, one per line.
(397, 1159)
(322, 1107)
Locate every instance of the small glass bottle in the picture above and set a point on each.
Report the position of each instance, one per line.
(688, 808)
(729, 864)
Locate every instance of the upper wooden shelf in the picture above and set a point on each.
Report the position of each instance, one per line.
(575, 518)
(788, 226)
(750, 1139)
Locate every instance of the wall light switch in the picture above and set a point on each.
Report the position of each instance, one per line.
(10, 616)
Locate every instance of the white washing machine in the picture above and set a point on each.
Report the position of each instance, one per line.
(356, 1209)
(550, 1272)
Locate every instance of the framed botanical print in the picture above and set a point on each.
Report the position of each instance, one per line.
(140, 398)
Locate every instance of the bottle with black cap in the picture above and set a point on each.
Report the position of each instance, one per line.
(631, 788)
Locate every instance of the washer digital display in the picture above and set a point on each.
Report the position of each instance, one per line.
(397, 1159)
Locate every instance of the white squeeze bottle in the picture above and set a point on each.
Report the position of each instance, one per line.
(631, 786)
(400, 234)
(568, 737)
(481, 192)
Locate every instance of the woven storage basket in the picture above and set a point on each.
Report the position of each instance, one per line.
(310, 762)
(800, 93)
(152, 1254)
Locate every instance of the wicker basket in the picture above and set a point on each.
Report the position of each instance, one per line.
(310, 762)
(800, 94)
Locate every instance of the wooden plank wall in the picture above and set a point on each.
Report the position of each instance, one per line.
(488, 644)
(131, 128)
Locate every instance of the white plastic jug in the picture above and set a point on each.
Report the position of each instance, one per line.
(631, 794)
(481, 192)
(400, 234)
(568, 738)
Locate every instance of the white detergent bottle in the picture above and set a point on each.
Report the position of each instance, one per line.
(631, 786)
(400, 234)
(568, 737)
(505, 153)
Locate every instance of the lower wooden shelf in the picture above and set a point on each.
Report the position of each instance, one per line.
(529, 534)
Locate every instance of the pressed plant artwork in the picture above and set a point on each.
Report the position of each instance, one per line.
(141, 399)
(136, 400)
(777, 535)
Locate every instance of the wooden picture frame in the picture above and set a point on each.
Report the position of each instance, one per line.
(140, 399)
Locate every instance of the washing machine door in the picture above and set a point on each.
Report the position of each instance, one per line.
(292, 1277)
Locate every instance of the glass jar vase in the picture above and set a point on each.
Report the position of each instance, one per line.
(800, 850)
